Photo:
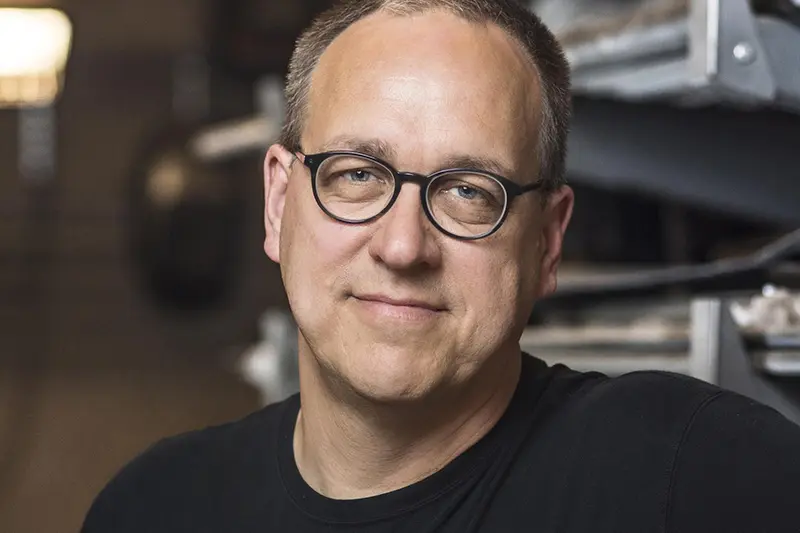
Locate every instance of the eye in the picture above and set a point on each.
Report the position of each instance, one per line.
(358, 175)
(468, 193)
(465, 192)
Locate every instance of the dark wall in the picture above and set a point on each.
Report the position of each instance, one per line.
(91, 372)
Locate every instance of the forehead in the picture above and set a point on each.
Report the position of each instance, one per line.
(428, 85)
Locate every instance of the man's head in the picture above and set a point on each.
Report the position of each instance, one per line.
(537, 41)
(394, 308)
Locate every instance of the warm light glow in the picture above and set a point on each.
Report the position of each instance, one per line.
(34, 46)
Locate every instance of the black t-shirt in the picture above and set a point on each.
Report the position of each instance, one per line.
(574, 452)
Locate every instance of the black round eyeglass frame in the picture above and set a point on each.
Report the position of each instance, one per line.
(510, 188)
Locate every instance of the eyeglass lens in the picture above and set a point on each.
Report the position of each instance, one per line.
(356, 189)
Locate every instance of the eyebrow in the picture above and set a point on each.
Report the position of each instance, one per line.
(384, 151)
(374, 147)
(484, 164)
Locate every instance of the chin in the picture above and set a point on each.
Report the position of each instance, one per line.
(392, 374)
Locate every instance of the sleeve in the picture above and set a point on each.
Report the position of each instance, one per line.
(737, 469)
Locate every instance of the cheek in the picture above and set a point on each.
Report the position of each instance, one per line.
(498, 288)
(490, 289)
(315, 252)
(502, 288)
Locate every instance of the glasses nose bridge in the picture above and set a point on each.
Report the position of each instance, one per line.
(411, 177)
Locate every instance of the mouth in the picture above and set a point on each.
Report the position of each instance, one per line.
(409, 303)
(377, 309)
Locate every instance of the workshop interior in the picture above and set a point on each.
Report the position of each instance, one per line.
(135, 298)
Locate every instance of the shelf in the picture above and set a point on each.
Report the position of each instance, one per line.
(720, 52)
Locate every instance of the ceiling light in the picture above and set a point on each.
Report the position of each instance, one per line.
(34, 47)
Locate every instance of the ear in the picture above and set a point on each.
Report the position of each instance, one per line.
(277, 167)
(556, 216)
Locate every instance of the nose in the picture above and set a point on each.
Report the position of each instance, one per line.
(405, 237)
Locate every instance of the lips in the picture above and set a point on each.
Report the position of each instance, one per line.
(400, 302)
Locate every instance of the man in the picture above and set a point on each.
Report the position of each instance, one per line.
(416, 205)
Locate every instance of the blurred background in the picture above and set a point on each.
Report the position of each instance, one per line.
(136, 301)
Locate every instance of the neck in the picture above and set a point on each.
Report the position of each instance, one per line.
(349, 447)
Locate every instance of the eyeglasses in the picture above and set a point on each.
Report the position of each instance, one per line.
(465, 204)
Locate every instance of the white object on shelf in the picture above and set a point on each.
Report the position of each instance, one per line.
(271, 365)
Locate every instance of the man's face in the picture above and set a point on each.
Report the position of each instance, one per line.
(394, 308)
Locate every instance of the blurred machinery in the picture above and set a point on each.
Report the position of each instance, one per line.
(271, 365)
(747, 345)
(727, 323)
(186, 224)
(689, 52)
(186, 212)
(686, 100)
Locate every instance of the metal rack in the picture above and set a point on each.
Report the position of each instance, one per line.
(720, 52)
(708, 346)
(701, 108)
(761, 366)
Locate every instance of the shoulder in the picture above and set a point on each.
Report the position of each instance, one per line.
(645, 400)
(655, 388)
(603, 426)
(649, 424)
(681, 411)
(666, 447)
(722, 461)
(183, 472)
(740, 459)
(694, 407)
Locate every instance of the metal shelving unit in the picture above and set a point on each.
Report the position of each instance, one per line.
(719, 52)
(700, 106)
(709, 345)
